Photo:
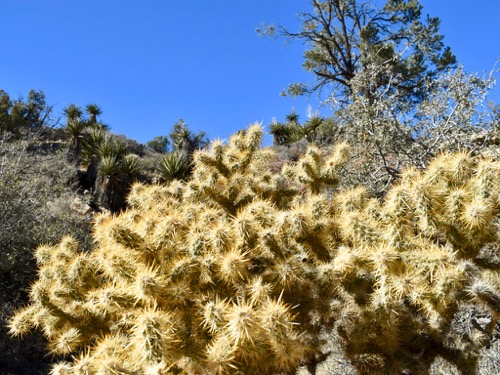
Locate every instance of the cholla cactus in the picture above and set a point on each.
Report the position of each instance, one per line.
(239, 270)
(408, 262)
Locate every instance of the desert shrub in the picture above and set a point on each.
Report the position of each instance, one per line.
(388, 134)
(240, 270)
(133, 147)
(37, 206)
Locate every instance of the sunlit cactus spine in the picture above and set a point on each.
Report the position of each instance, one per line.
(214, 275)
(410, 264)
(241, 270)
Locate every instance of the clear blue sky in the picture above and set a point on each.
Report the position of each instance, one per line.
(148, 63)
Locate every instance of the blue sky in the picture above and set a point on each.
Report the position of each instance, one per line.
(148, 63)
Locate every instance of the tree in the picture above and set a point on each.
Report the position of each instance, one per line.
(76, 125)
(288, 132)
(177, 151)
(344, 37)
(72, 113)
(20, 115)
(160, 144)
(110, 168)
(5, 106)
(74, 128)
(184, 141)
(180, 140)
(34, 113)
(93, 110)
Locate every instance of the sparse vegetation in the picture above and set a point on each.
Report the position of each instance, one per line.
(37, 205)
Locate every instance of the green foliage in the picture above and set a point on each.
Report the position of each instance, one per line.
(176, 151)
(282, 133)
(127, 167)
(315, 130)
(5, 106)
(239, 270)
(75, 129)
(110, 146)
(99, 144)
(110, 167)
(346, 37)
(72, 113)
(93, 110)
(159, 144)
(131, 165)
(91, 144)
(20, 116)
(77, 126)
(172, 166)
(180, 140)
(184, 141)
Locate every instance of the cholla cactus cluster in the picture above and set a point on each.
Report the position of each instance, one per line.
(408, 261)
(239, 269)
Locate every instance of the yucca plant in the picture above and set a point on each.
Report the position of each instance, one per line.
(93, 110)
(292, 131)
(282, 134)
(93, 138)
(311, 126)
(98, 143)
(112, 183)
(109, 170)
(240, 270)
(131, 166)
(109, 166)
(75, 129)
(111, 146)
(172, 166)
(73, 113)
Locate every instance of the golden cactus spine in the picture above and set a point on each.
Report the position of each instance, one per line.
(240, 269)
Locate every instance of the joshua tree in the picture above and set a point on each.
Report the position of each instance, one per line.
(292, 130)
(93, 110)
(109, 168)
(74, 127)
(239, 270)
(186, 142)
(73, 113)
